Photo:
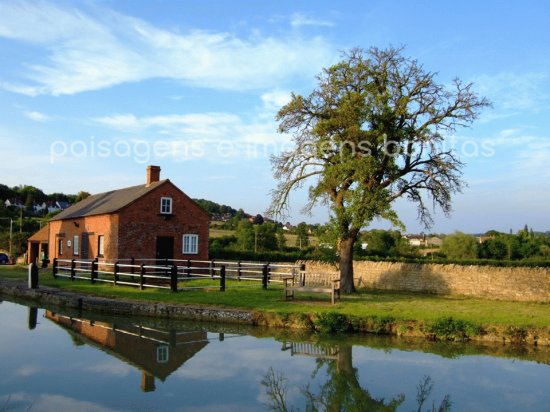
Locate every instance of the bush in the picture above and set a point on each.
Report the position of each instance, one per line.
(332, 322)
(453, 329)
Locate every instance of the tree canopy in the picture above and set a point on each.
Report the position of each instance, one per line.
(371, 132)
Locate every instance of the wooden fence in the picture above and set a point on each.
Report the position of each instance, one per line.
(173, 274)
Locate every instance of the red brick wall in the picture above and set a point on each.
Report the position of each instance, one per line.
(106, 225)
(141, 223)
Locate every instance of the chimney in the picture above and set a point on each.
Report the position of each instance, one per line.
(153, 175)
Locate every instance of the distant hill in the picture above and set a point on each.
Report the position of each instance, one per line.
(217, 211)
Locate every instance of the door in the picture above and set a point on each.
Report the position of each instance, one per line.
(84, 246)
(165, 249)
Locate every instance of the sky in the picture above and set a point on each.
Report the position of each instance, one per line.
(91, 92)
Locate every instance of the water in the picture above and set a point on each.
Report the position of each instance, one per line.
(59, 361)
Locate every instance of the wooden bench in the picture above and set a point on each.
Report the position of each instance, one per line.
(312, 283)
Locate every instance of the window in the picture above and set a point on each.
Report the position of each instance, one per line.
(166, 205)
(100, 245)
(162, 354)
(190, 244)
(60, 246)
(75, 245)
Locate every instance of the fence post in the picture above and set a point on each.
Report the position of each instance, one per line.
(264, 277)
(239, 271)
(211, 269)
(33, 276)
(132, 262)
(141, 273)
(54, 268)
(73, 266)
(188, 268)
(93, 275)
(222, 278)
(115, 274)
(174, 278)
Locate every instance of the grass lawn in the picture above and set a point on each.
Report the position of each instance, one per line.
(398, 305)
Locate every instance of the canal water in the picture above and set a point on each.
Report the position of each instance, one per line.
(68, 361)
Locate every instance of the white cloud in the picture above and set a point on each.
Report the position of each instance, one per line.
(27, 370)
(299, 19)
(210, 136)
(275, 99)
(100, 48)
(513, 92)
(114, 368)
(37, 116)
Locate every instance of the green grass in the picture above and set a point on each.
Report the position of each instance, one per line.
(398, 305)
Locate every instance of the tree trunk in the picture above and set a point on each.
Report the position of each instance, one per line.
(346, 265)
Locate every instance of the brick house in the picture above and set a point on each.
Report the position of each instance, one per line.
(152, 221)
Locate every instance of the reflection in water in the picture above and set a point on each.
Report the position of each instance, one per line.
(178, 368)
(154, 351)
(33, 316)
(341, 391)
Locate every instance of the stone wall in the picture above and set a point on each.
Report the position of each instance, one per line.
(520, 284)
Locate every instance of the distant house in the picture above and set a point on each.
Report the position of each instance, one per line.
(152, 220)
(39, 207)
(416, 240)
(16, 203)
(483, 239)
(57, 205)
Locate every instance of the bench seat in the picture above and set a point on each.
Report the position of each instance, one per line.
(311, 284)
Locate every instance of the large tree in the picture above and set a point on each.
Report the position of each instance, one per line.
(371, 132)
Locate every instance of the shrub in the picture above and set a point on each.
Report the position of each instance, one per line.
(332, 322)
(448, 328)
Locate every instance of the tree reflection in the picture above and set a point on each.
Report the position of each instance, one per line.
(342, 390)
(423, 391)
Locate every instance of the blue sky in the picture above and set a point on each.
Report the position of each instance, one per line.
(91, 92)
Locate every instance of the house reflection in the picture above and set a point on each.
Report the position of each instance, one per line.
(156, 352)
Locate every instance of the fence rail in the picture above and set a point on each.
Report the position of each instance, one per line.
(173, 274)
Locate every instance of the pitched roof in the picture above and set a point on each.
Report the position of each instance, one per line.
(41, 236)
(108, 202)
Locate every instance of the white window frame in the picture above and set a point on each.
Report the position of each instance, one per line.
(163, 354)
(76, 245)
(190, 244)
(60, 246)
(166, 205)
(100, 245)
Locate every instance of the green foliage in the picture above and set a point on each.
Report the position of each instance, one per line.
(266, 237)
(302, 233)
(495, 248)
(245, 235)
(215, 208)
(219, 244)
(386, 243)
(332, 322)
(460, 246)
(448, 328)
(281, 239)
(268, 256)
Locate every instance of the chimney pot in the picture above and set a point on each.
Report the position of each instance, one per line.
(153, 174)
